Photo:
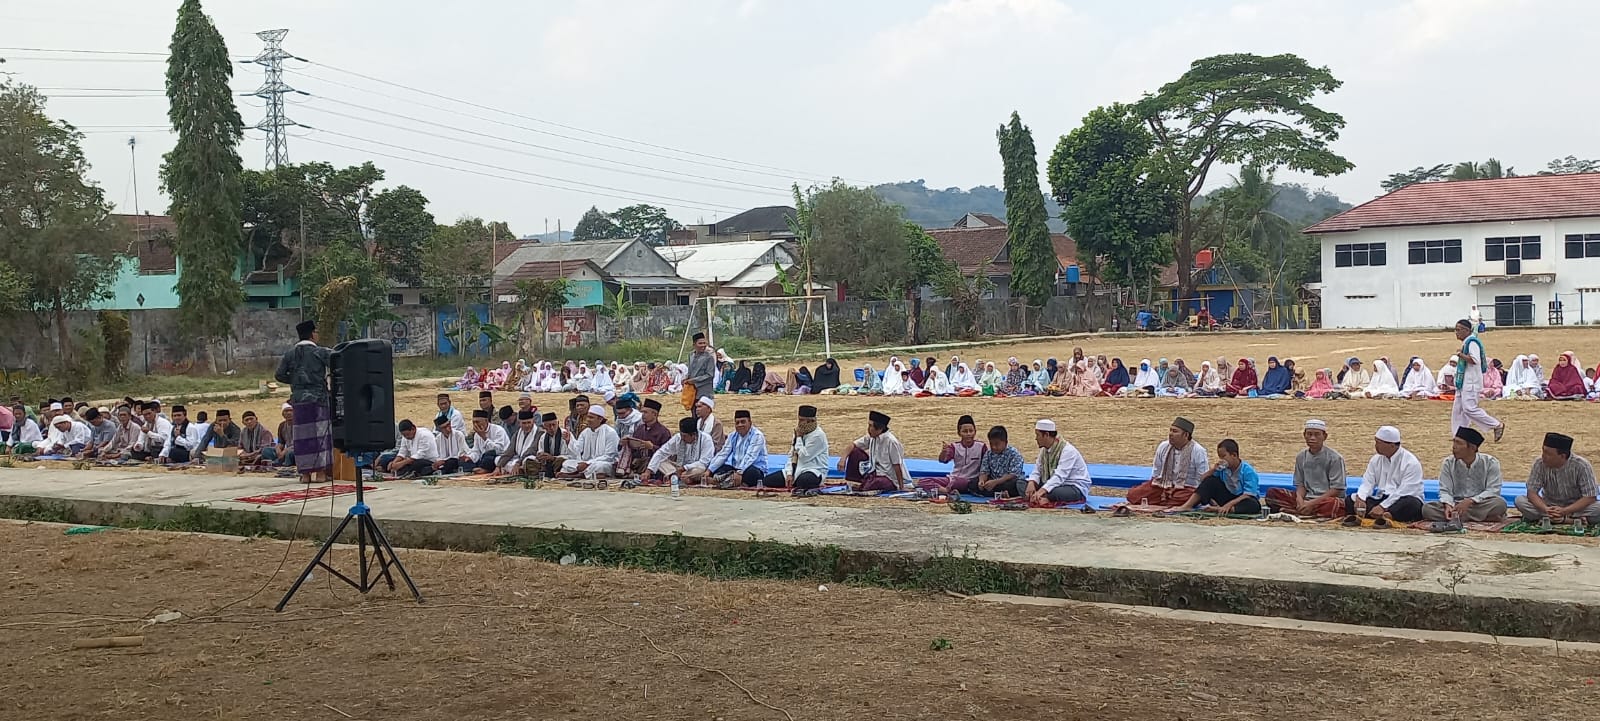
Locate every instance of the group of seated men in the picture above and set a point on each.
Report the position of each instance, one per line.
(140, 431)
(1561, 487)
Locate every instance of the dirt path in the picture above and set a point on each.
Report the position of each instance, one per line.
(509, 638)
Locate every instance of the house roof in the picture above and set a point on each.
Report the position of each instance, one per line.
(977, 220)
(540, 270)
(770, 219)
(1532, 197)
(730, 264)
(971, 247)
(599, 252)
(150, 241)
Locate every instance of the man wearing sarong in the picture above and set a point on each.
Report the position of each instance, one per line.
(701, 374)
(1469, 485)
(305, 369)
(743, 458)
(1319, 478)
(1179, 465)
(687, 455)
(877, 460)
(636, 450)
(1561, 486)
(594, 454)
(485, 444)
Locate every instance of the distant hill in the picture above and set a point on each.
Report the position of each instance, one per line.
(931, 208)
(1305, 206)
(559, 236)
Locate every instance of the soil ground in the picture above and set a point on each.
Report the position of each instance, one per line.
(512, 638)
(1126, 431)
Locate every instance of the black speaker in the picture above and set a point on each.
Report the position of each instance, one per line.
(362, 379)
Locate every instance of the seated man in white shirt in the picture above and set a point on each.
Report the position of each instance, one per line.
(157, 431)
(595, 453)
(1391, 489)
(743, 458)
(452, 446)
(687, 455)
(67, 437)
(808, 457)
(877, 460)
(486, 442)
(25, 433)
(183, 443)
(416, 453)
(1060, 475)
(518, 460)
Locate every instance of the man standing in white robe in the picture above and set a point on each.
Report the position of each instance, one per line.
(1464, 411)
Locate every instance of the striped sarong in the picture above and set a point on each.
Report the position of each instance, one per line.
(313, 437)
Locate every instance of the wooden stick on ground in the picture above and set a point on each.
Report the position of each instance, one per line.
(109, 642)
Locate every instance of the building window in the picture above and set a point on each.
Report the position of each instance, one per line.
(1583, 246)
(1347, 255)
(1421, 252)
(1511, 248)
(1512, 310)
(1435, 294)
(1360, 297)
(396, 299)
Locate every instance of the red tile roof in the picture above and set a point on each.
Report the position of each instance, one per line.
(540, 270)
(970, 248)
(1532, 197)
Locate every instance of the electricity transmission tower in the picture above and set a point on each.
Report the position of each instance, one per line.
(272, 91)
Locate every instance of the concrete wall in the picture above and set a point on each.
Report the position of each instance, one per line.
(158, 291)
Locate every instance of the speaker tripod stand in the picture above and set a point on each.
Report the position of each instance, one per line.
(372, 570)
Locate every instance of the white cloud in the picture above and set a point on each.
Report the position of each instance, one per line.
(955, 27)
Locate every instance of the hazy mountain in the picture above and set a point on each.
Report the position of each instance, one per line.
(931, 208)
(555, 236)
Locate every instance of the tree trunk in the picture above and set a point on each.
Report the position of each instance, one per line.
(914, 323)
(1185, 254)
(63, 337)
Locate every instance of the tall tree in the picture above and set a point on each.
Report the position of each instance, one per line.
(1117, 207)
(858, 240)
(201, 176)
(927, 266)
(536, 299)
(455, 264)
(400, 225)
(1488, 169)
(57, 238)
(1240, 108)
(645, 222)
(595, 225)
(1033, 256)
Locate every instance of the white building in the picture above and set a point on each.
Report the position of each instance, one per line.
(1525, 250)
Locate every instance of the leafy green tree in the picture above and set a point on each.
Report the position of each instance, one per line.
(1570, 165)
(1118, 210)
(1033, 257)
(1488, 169)
(536, 299)
(455, 265)
(1419, 174)
(645, 222)
(401, 227)
(367, 301)
(1239, 108)
(619, 309)
(858, 240)
(201, 176)
(595, 225)
(927, 267)
(57, 238)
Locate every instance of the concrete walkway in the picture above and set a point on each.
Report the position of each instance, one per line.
(1499, 567)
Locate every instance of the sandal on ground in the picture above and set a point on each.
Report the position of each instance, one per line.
(1499, 431)
(1121, 512)
(1382, 523)
(1351, 522)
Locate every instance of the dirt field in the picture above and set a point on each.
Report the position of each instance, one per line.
(511, 638)
(1127, 430)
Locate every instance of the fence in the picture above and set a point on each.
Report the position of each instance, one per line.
(261, 335)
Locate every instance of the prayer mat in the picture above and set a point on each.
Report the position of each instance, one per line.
(1556, 530)
(1145, 509)
(1481, 526)
(301, 494)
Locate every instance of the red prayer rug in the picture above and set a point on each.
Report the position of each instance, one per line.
(302, 494)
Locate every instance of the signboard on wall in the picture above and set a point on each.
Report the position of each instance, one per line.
(570, 327)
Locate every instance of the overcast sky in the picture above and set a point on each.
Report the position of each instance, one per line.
(872, 92)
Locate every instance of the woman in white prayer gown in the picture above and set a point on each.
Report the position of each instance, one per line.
(1444, 382)
(680, 372)
(1382, 384)
(1145, 378)
(622, 377)
(1208, 382)
(938, 383)
(601, 381)
(1521, 381)
(894, 384)
(549, 380)
(1419, 382)
(964, 380)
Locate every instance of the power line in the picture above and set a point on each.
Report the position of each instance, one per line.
(531, 145)
(85, 52)
(17, 58)
(272, 90)
(780, 172)
(667, 198)
(630, 198)
(104, 96)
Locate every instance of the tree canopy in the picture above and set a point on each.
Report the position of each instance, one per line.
(1117, 207)
(858, 239)
(1033, 257)
(648, 223)
(595, 225)
(201, 175)
(1240, 108)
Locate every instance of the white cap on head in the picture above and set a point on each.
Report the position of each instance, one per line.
(63, 419)
(708, 401)
(1045, 424)
(55, 406)
(1388, 434)
(288, 406)
(1316, 425)
(597, 410)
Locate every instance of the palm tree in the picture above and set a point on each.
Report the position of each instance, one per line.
(619, 309)
(1490, 168)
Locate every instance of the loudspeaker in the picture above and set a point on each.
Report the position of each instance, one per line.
(362, 379)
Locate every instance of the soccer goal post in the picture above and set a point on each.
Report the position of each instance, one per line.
(801, 309)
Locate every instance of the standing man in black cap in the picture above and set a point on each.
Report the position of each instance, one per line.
(877, 460)
(1561, 486)
(305, 369)
(1470, 365)
(1469, 485)
(697, 381)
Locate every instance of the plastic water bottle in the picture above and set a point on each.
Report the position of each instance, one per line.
(677, 488)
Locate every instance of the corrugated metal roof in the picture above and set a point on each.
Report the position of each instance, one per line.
(598, 252)
(726, 263)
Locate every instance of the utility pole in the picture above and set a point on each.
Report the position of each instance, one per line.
(133, 157)
(272, 91)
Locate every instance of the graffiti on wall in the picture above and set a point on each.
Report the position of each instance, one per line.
(571, 328)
